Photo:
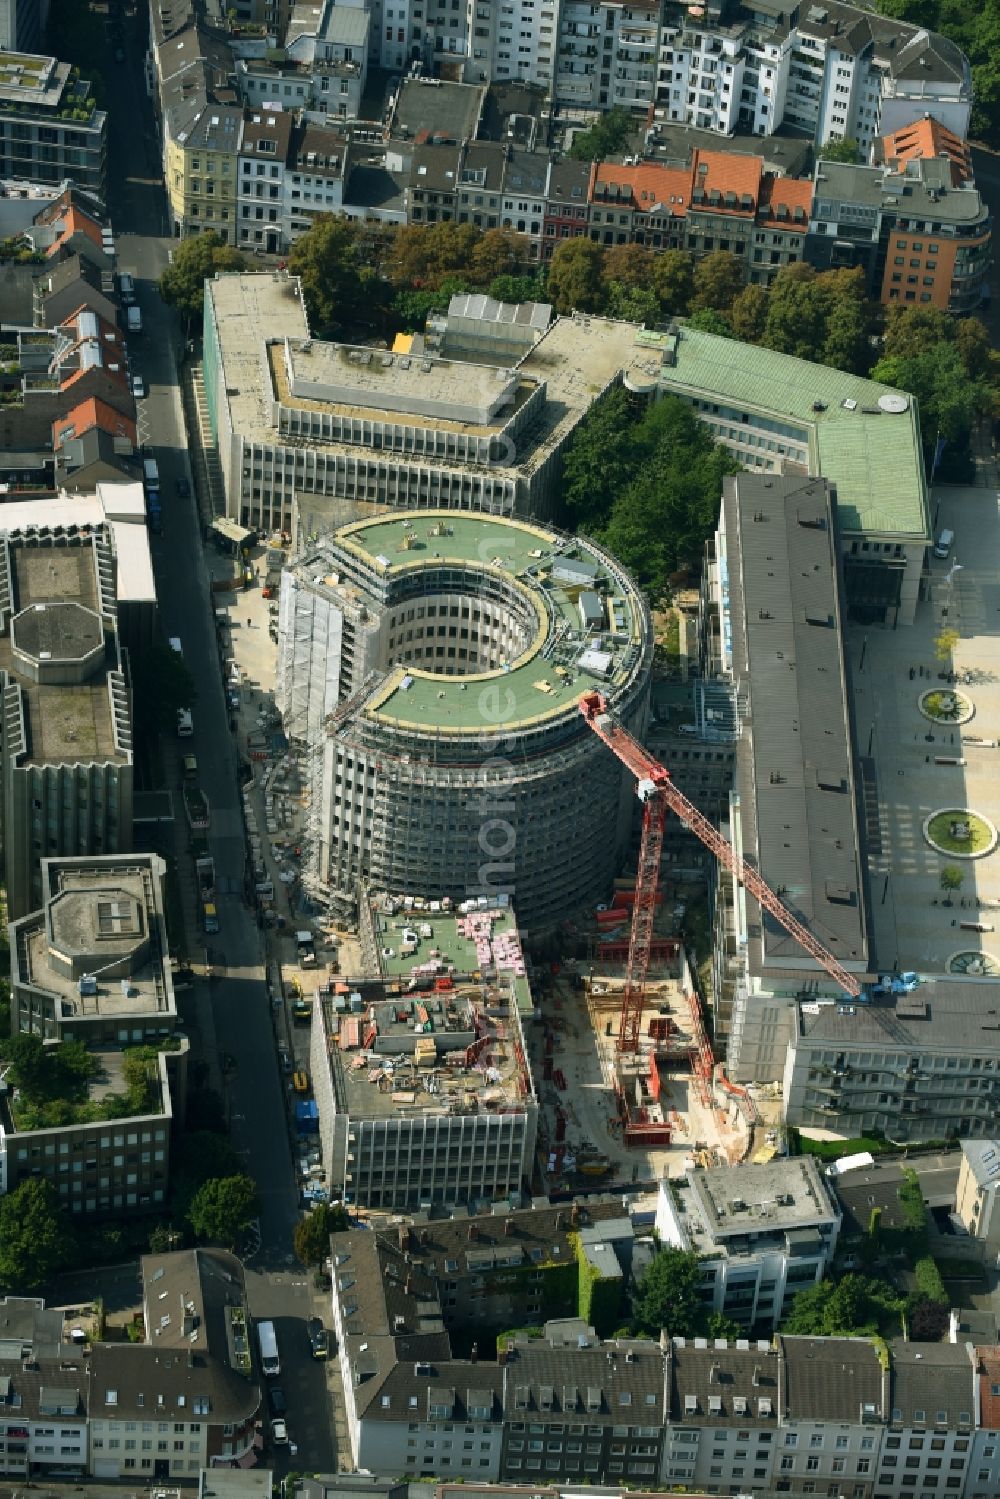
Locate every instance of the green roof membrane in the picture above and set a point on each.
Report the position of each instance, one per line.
(533, 686)
(871, 454)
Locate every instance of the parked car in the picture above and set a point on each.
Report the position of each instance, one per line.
(285, 1060)
(279, 1432)
(138, 387)
(319, 1338)
(276, 1400)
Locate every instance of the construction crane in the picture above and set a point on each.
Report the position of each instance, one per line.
(658, 794)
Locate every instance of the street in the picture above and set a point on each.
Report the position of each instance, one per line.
(235, 1005)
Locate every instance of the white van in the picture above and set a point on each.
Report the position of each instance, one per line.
(185, 723)
(175, 645)
(134, 320)
(944, 544)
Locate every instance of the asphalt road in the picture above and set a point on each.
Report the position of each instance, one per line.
(277, 1286)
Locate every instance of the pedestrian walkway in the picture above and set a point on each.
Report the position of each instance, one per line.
(207, 469)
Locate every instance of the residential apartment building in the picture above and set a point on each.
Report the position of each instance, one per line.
(204, 173)
(764, 1232)
(44, 1396)
(976, 1201)
(834, 71)
(921, 238)
(788, 1415)
(67, 734)
(188, 1397)
(607, 55)
(50, 127)
(567, 203)
(263, 159)
(93, 962)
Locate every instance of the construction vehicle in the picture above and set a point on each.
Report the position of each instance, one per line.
(659, 795)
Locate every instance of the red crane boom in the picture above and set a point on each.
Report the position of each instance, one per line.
(657, 792)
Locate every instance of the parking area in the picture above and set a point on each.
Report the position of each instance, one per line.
(922, 755)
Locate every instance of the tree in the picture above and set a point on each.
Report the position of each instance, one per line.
(748, 314)
(928, 1321)
(334, 288)
(161, 684)
(196, 260)
(36, 1241)
(707, 320)
(628, 265)
(518, 288)
(717, 280)
(669, 1295)
(412, 308)
(951, 878)
(200, 1156)
(796, 312)
(606, 137)
(846, 150)
(312, 1233)
(950, 402)
(945, 644)
(498, 253)
(222, 1207)
(633, 304)
(672, 280)
(908, 331)
(575, 280)
(600, 460)
(424, 254)
(851, 1307)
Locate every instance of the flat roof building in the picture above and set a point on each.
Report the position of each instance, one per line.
(67, 732)
(422, 1085)
(772, 646)
(782, 415)
(764, 1232)
(398, 638)
(50, 127)
(93, 963)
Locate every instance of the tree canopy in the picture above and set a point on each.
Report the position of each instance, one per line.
(846, 150)
(575, 280)
(222, 1207)
(312, 1233)
(36, 1239)
(646, 482)
(335, 284)
(851, 1307)
(195, 261)
(606, 137)
(718, 279)
(669, 1295)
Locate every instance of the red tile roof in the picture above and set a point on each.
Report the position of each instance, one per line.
(988, 1374)
(727, 172)
(93, 412)
(789, 193)
(652, 185)
(926, 138)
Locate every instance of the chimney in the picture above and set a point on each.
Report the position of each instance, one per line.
(756, 1375)
(474, 1354)
(473, 1231)
(187, 1324)
(404, 1237)
(664, 1340)
(575, 1214)
(559, 1220)
(409, 1285)
(508, 1228)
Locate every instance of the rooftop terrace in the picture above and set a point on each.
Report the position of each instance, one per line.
(450, 942)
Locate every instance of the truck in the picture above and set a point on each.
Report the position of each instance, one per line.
(268, 1343)
(196, 808)
(154, 511)
(209, 917)
(150, 474)
(204, 866)
(305, 949)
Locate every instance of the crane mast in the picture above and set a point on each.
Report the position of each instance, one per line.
(658, 793)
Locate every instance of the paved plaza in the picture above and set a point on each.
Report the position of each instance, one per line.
(904, 778)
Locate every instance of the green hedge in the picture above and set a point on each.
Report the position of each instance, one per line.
(928, 1279)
